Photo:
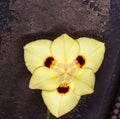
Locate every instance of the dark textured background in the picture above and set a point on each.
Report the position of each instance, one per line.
(22, 21)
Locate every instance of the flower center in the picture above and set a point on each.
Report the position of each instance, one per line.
(65, 72)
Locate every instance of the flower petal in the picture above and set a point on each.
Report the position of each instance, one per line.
(93, 50)
(83, 82)
(64, 49)
(60, 104)
(44, 78)
(35, 53)
(87, 76)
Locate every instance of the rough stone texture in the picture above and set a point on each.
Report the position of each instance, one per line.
(116, 107)
(22, 21)
(76, 17)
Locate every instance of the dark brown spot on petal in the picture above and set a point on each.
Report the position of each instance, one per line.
(63, 89)
(80, 60)
(49, 62)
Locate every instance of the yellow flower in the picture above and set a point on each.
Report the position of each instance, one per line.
(63, 69)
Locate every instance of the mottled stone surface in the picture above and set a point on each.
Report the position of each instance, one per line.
(22, 21)
(116, 107)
